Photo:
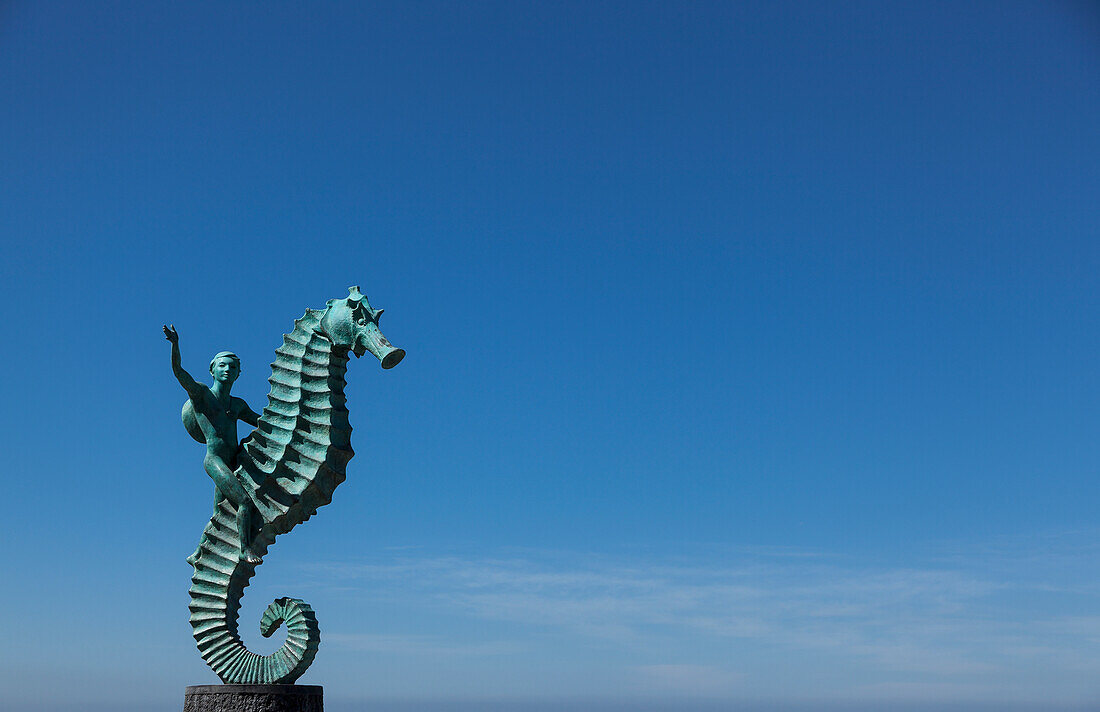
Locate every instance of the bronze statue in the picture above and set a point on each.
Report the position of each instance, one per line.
(275, 479)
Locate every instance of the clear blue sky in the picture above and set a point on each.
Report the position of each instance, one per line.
(752, 347)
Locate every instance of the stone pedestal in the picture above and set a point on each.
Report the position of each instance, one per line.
(252, 698)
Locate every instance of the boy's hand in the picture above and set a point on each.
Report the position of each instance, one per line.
(170, 333)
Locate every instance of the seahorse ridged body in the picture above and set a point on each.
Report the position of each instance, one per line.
(290, 465)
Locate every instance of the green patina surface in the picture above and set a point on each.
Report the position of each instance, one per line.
(273, 480)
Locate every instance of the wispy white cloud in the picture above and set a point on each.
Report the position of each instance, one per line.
(952, 626)
(416, 645)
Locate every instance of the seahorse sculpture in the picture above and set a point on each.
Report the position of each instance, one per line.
(288, 466)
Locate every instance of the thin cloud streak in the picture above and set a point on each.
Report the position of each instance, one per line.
(958, 627)
(415, 645)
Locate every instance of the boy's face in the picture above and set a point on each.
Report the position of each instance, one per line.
(225, 369)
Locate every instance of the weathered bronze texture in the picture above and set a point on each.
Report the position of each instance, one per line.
(275, 479)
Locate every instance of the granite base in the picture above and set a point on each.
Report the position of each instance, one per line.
(253, 698)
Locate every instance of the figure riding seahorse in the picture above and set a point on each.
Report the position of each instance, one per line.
(277, 478)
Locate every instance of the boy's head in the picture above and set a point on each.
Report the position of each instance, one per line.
(225, 366)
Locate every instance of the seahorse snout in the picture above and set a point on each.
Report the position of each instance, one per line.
(371, 339)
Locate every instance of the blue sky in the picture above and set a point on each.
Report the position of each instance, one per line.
(751, 346)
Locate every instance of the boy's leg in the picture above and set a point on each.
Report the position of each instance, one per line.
(230, 488)
(244, 526)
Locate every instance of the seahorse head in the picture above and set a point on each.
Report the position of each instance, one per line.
(353, 324)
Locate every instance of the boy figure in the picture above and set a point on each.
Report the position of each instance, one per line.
(215, 413)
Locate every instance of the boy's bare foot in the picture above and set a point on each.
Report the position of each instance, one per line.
(251, 558)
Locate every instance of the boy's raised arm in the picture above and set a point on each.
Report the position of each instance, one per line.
(189, 384)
